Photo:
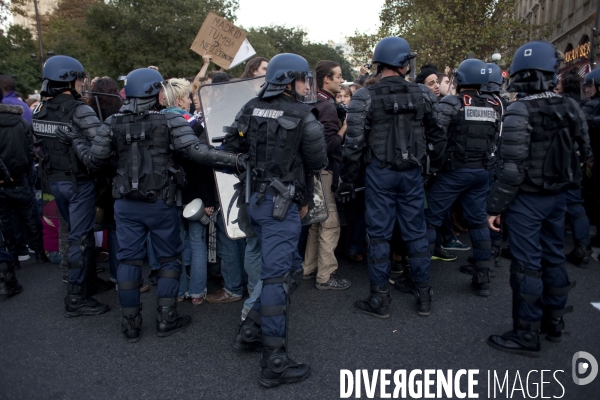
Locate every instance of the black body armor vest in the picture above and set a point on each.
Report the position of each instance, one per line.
(274, 130)
(146, 167)
(58, 161)
(397, 136)
(553, 162)
(471, 135)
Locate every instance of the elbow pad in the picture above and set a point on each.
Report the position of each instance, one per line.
(101, 149)
(314, 149)
(86, 120)
(449, 106)
(202, 154)
(500, 197)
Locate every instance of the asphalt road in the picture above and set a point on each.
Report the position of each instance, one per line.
(44, 355)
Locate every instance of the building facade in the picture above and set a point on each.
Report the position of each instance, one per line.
(44, 6)
(572, 22)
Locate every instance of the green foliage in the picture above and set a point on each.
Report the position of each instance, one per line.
(16, 61)
(444, 32)
(114, 37)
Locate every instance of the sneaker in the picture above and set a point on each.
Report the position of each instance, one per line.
(223, 296)
(334, 283)
(442, 255)
(24, 257)
(312, 275)
(455, 244)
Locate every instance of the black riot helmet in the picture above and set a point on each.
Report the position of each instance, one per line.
(471, 72)
(288, 68)
(142, 86)
(60, 73)
(392, 52)
(534, 68)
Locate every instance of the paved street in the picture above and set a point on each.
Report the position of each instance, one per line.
(44, 355)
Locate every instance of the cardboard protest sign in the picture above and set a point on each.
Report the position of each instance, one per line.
(220, 38)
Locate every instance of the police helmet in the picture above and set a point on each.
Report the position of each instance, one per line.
(393, 51)
(471, 72)
(540, 56)
(143, 82)
(62, 69)
(495, 74)
(287, 68)
(593, 77)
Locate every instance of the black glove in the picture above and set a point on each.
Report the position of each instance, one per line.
(241, 161)
(345, 192)
(342, 111)
(66, 135)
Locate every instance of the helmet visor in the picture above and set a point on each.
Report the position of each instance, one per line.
(305, 87)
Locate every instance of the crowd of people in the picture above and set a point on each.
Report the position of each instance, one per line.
(92, 172)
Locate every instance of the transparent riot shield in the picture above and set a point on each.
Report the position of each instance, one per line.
(220, 103)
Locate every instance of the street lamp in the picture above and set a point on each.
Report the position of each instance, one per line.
(496, 57)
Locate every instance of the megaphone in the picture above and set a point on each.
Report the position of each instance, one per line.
(194, 211)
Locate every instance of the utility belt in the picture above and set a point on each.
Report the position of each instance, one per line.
(283, 195)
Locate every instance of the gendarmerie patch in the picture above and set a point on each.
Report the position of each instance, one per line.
(480, 114)
(47, 128)
(259, 112)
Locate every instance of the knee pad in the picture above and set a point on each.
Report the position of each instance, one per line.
(86, 244)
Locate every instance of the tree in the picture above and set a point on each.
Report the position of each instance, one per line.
(16, 61)
(444, 32)
(113, 37)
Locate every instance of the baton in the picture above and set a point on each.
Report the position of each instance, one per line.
(248, 181)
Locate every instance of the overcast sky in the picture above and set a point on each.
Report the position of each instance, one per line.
(339, 18)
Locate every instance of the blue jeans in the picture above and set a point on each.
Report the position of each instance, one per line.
(252, 264)
(194, 255)
(231, 253)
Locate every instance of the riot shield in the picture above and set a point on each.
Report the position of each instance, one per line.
(220, 103)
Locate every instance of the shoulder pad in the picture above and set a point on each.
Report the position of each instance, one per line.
(83, 110)
(362, 94)
(450, 105)
(517, 108)
(427, 93)
(175, 120)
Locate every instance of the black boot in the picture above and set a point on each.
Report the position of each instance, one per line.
(278, 368)
(424, 295)
(153, 277)
(248, 337)
(517, 341)
(41, 258)
(131, 324)
(481, 282)
(9, 285)
(377, 304)
(77, 305)
(167, 320)
(553, 324)
(496, 253)
(579, 257)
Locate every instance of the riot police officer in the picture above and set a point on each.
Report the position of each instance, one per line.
(393, 121)
(286, 145)
(537, 163)
(471, 124)
(145, 186)
(57, 121)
